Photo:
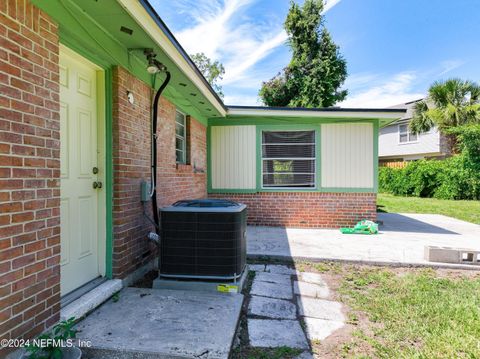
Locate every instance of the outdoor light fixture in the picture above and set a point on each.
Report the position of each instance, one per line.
(154, 65)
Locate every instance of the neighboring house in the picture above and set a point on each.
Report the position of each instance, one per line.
(75, 122)
(397, 143)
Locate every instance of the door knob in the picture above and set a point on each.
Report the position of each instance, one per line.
(97, 184)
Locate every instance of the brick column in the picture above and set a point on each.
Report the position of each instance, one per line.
(29, 171)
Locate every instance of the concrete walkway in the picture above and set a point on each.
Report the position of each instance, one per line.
(280, 298)
(401, 240)
(162, 323)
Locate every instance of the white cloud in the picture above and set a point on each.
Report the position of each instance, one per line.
(225, 30)
(377, 91)
(238, 66)
(450, 65)
(329, 4)
(212, 25)
(242, 100)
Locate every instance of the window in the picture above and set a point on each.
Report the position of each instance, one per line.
(288, 159)
(180, 137)
(405, 134)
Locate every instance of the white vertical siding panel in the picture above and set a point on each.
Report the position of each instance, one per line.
(233, 157)
(347, 155)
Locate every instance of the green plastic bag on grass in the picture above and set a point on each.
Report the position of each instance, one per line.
(362, 227)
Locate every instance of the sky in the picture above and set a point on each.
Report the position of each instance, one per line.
(394, 48)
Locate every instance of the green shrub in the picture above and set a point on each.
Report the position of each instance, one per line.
(386, 179)
(457, 177)
(419, 178)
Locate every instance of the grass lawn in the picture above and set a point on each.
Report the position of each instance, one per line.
(465, 210)
(413, 313)
(403, 312)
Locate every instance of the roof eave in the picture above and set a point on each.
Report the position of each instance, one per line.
(354, 113)
(144, 14)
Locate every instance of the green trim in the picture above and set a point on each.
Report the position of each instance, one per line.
(347, 190)
(375, 156)
(109, 173)
(258, 158)
(322, 190)
(209, 160)
(290, 127)
(286, 121)
(232, 190)
(184, 139)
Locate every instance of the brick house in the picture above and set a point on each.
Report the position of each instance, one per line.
(75, 129)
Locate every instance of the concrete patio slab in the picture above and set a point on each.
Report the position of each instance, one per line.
(319, 329)
(401, 241)
(272, 290)
(320, 308)
(310, 290)
(257, 267)
(280, 269)
(272, 308)
(161, 323)
(309, 277)
(268, 333)
(273, 278)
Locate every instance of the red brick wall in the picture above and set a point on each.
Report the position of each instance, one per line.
(131, 135)
(29, 171)
(306, 209)
(176, 181)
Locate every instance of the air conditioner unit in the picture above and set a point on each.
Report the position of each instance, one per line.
(203, 239)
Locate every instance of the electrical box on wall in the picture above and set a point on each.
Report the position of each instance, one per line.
(145, 191)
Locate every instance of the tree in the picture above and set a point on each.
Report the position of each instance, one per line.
(449, 105)
(316, 71)
(213, 71)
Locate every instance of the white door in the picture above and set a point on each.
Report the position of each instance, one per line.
(79, 205)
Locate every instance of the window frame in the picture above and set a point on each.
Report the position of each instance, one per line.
(315, 158)
(408, 132)
(184, 138)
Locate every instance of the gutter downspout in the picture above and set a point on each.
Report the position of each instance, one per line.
(155, 236)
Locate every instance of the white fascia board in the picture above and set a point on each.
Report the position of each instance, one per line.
(312, 113)
(144, 20)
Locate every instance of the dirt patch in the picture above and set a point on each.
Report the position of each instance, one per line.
(330, 269)
(340, 343)
(241, 348)
(344, 342)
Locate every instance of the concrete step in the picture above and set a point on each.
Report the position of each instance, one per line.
(162, 323)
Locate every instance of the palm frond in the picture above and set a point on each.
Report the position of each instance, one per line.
(421, 120)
